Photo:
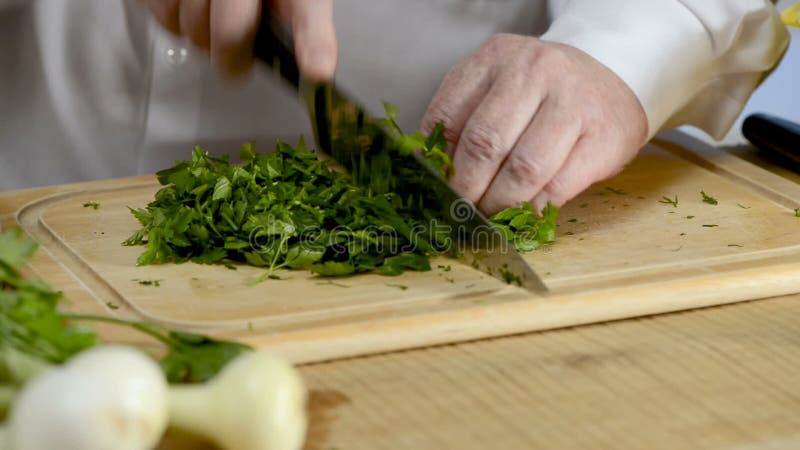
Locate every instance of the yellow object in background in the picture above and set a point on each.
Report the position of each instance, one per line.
(791, 16)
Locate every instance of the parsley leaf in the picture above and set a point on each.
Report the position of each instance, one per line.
(616, 191)
(29, 322)
(708, 199)
(525, 228)
(34, 335)
(195, 358)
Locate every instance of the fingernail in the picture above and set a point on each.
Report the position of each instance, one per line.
(319, 63)
(540, 201)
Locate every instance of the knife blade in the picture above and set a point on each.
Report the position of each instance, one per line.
(344, 131)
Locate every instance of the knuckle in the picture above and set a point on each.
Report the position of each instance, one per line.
(503, 39)
(556, 189)
(551, 56)
(459, 74)
(437, 113)
(482, 143)
(497, 40)
(493, 46)
(527, 170)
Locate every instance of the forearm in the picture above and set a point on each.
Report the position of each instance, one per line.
(688, 61)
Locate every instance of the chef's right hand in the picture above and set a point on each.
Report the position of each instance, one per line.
(227, 29)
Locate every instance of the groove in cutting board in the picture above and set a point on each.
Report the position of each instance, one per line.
(616, 256)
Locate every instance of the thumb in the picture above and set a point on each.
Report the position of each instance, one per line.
(311, 22)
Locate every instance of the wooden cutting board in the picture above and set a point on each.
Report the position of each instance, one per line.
(619, 253)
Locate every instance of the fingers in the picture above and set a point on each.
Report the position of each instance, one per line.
(233, 25)
(166, 13)
(457, 98)
(314, 38)
(194, 20)
(583, 167)
(491, 132)
(536, 158)
(227, 28)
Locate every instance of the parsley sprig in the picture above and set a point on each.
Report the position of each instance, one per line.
(35, 335)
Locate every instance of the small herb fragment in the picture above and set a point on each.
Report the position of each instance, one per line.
(797, 212)
(332, 283)
(526, 229)
(616, 191)
(690, 217)
(669, 201)
(155, 283)
(402, 287)
(711, 225)
(742, 206)
(433, 146)
(93, 205)
(708, 199)
(510, 277)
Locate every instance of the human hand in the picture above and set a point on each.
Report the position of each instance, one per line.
(227, 28)
(529, 120)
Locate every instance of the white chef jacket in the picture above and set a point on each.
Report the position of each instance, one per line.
(93, 89)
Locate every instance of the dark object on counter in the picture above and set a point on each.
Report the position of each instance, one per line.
(774, 135)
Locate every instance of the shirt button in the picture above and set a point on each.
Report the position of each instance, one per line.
(177, 56)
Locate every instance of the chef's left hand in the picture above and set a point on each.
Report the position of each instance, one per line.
(227, 29)
(532, 120)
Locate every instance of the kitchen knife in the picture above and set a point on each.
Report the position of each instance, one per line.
(345, 132)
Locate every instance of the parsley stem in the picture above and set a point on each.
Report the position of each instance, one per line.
(146, 328)
(7, 394)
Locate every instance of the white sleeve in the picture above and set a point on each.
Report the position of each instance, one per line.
(692, 62)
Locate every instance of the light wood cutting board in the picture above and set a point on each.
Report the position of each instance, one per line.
(619, 253)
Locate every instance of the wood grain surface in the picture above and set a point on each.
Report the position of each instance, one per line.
(620, 253)
(721, 378)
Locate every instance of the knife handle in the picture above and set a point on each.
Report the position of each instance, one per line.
(773, 135)
(273, 45)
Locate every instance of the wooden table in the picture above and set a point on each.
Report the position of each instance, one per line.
(717, 378)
